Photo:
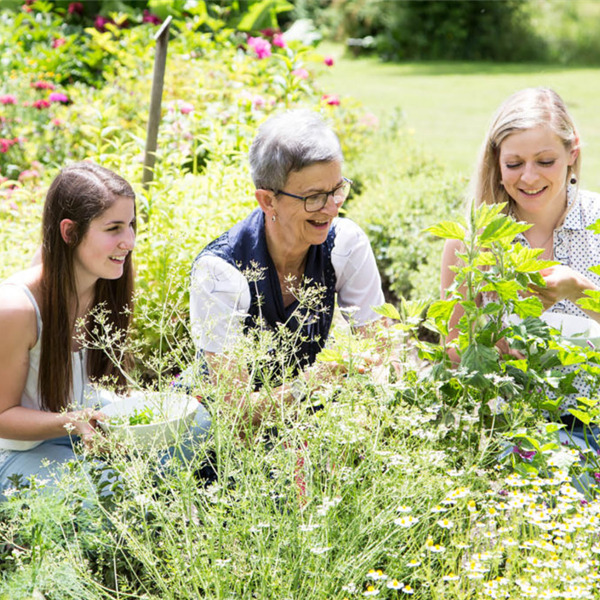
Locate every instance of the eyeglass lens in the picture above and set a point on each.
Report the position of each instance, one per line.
(318, 201)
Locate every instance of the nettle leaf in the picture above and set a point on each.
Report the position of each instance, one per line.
(507, 290)
(592, 302)
(486, 213)
(589, 402)
(450, 230)
(584, 417)
(440, 312)
(525, 260)
(551, 405)
(595, 269)
(554, 427)
(594, 227)
(388, 310)
(531, 440)
(491, 308)
(528, 307)
(480, 359)
(520, 364)
(501, 229)
(441, 309)
(485, 259)
(330, 355)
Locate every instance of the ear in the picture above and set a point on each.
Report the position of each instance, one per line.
(67, 231)
(574, 154)
(266, 200)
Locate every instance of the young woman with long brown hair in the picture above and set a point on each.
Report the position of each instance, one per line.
(46, 400)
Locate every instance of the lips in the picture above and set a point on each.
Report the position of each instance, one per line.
(532, 192)
(319, 224)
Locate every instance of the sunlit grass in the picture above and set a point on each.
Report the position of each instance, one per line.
(449, 105)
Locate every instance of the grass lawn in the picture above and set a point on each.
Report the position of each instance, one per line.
(449, 105)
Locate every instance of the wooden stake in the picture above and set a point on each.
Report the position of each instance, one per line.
(158, 79)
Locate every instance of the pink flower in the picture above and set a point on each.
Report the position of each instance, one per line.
(331, 99)
(258, 102)
(278, 40)
(5, 144)
(328, 60)
(58, 97)
(28, 175)
(75, 8)
(150, 18)
(58, 42)
(40, 104)
(42, 85)
(261, 46)
(57, 122)
(8, 99)
(269, 32)
(300, 73)
(185, 107)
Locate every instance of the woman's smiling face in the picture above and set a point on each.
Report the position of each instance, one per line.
(302, 228)
(534, 164)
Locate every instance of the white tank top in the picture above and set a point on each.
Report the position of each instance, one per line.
(82, 396)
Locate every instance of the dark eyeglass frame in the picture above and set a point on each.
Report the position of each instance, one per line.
(345, 181)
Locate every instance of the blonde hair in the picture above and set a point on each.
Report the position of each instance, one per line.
(523, 110)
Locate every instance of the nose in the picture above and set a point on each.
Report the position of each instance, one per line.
(128, 240)
(529, 174)
(333, 205)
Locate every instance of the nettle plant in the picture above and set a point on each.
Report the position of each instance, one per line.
(501, 321)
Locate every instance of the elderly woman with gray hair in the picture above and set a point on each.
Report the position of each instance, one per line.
(283, 265)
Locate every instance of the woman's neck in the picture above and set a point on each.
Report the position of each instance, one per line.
(287, 260)
(543, 226)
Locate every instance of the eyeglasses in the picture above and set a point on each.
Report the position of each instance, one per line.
(316, 202)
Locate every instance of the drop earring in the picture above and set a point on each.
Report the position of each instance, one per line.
(573, 179)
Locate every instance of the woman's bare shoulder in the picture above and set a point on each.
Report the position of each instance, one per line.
(18, 317)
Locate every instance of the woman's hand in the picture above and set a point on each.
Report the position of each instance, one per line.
(84, 423)
(562, 283)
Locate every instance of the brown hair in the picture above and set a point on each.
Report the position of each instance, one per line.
(523, 110)
(80, 192)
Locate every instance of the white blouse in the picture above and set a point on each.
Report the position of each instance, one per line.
(220, 293)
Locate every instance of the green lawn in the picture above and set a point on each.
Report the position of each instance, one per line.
(449, 105)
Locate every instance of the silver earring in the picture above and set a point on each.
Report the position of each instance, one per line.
(273, 218)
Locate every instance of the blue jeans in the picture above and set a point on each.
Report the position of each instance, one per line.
(44, 460)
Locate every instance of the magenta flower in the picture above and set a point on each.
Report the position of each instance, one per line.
(331, 99)
(58, 97)
(8, 99)
(300, 73)
(261, 46)
(150, 18)
(278, 40)
(40, 104)
(524, 454)
(100, 22)
(185, 107)
(42, 85)
(58, 42)
(269, 32)
(328, 60)
(75, 8)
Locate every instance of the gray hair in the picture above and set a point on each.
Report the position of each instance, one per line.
(289, 142)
